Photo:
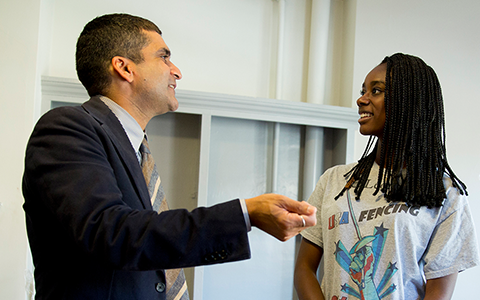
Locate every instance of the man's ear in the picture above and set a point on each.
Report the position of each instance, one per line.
(123, 67)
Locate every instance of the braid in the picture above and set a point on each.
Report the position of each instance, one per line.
(364, 164)
(413, 151)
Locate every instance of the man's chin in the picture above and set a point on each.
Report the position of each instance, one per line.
(174, 105)
(168, 107)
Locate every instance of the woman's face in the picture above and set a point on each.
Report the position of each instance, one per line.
(371, 104)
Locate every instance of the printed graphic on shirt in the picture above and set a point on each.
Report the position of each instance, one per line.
(371, 214)
(362, 260)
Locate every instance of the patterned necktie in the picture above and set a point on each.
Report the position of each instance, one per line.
(176, 284)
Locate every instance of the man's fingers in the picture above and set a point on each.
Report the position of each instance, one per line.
(307, 220)
(301, 208)
(306, 213)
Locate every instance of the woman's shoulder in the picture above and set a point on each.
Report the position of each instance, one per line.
(339, 169)
(455, 196)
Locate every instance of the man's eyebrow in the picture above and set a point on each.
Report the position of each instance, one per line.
(164, 52)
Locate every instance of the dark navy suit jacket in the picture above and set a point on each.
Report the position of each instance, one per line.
(90, 224)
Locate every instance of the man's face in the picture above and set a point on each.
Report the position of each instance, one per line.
(156, 78)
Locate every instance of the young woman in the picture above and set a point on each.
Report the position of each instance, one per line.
(402, 230)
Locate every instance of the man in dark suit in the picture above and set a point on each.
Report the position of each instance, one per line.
(91, 227)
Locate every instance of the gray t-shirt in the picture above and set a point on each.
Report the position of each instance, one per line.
(387, 250)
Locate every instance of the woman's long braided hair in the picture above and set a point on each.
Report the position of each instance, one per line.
(413, 151)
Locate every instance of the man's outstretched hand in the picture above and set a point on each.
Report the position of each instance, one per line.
(280, 216)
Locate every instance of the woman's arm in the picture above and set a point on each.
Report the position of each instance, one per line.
(440, 288)
(305, 277)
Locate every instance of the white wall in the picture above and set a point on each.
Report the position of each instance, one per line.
(18, 52)
(219, 45)
(227, 46)
(445, 34)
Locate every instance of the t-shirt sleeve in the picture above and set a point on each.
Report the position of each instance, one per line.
(314, 233)
(453, 246)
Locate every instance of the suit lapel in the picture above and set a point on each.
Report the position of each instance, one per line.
(109, 122)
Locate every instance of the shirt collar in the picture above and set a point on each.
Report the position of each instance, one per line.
(133, 130)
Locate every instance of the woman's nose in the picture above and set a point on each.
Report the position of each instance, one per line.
(363, 100)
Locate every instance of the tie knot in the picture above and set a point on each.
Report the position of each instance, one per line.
(145, 153)
(144, 148)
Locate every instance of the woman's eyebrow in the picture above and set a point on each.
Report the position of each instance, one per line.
(372, 83)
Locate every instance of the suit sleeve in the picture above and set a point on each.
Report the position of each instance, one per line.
(80, 199)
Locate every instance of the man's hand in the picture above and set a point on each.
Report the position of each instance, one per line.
(280, 216)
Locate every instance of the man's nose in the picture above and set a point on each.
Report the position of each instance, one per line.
(175, 71)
